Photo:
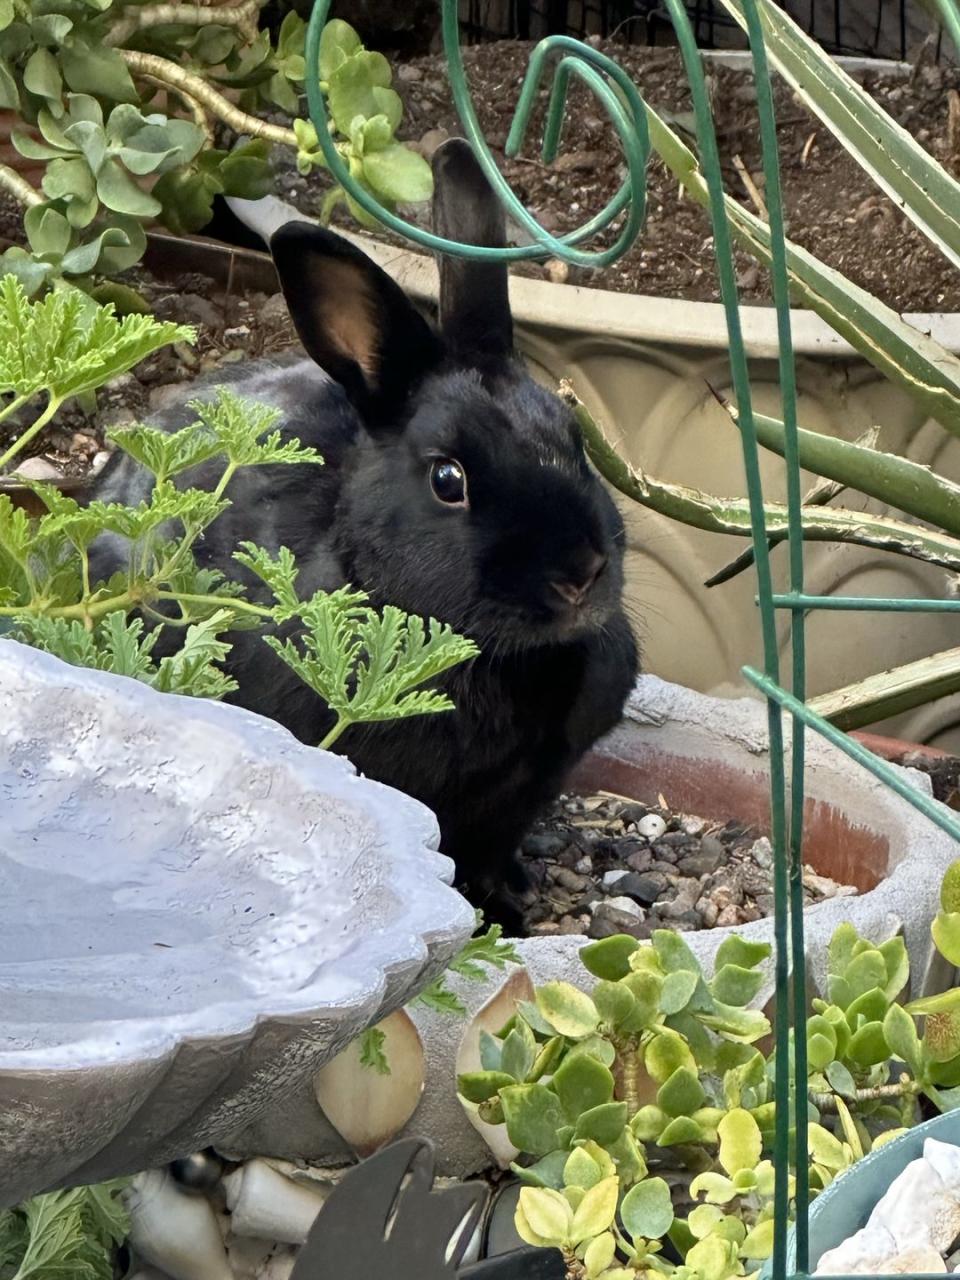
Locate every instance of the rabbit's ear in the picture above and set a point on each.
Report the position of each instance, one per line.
(354, 321)
(474, 307)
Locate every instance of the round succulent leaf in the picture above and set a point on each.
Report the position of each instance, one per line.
(9, 92)
(900, 1033)
(491, 1112)
(568, 1011)
(573, 1195)
(682, 1094)
(186, 198)
(543, 1217)
(248, 176)
(745, 1180)
(868, 1046)
(820, 1051)
(50, 29)
(603, 1124)
(609, 959)
(84, 258)
(648, 1123)
(714, 1187)
(882, 1139)
(119, 192)
(840, 1080)
(97, 70)
(69, 179)
(870, 1007)
(897, 959)
(615, 1002)
(338, 42)
(738, 951)
(399, 174)
(116, 256)
(708, 1118)
(47, 230)
(647, 1210)
(743, 1025)
(758, 1244)
(599, 1254)
(740, 1141)
(645, 987)
(826, 1149)
(735, 985)
(946, 935)
(581, 1170)
(628, 1158)
(533, 1117)
(125, 301)
(31, 273)
(714, 1258)
(673, 953)
(865, 972)
(582, 1083)
(665, 1053)
(547, 1172)
(680, 1131)
(703, 1220)
(596, 1211)
(33, 149)
(7, 14)
(677, 990)
(490, 1051)
(350, 94)
(41, 75)
(703, 1045)
(950, 888)
(478, 1086)
(519, 1052)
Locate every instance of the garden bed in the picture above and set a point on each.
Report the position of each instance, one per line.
(832, 206)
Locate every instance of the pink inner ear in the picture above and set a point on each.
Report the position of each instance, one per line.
(347, 317)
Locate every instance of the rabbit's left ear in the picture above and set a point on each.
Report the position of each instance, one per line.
(354, 321)
(475, 315)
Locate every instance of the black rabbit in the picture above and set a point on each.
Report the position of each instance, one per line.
(454, 487)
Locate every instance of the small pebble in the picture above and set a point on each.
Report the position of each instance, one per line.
(652, 826)
(761, 851)
(610, 878)
(37, 469)
(626, 906)
(584, 867)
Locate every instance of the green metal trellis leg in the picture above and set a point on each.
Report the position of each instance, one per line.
(624, 105)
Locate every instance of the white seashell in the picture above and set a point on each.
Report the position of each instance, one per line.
(918, 1209)
(865, 1253)
(268, 1206)
(174, 1232)
(945, 1158)
(917, 1262)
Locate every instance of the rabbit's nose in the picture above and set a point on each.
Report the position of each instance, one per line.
(575, 593)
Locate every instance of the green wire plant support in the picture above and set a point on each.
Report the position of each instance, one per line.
(565, 58)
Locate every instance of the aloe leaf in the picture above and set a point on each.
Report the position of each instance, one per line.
(920, 187)
(898, 482)
(891, 693)
(916, 362)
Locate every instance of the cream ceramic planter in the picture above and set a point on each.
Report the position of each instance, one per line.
(642, 365)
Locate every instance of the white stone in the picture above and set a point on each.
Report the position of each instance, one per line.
(627, 906)
(652, 826)
(267, 1206)
(610, 878)
(37, 469)
(174, 1232)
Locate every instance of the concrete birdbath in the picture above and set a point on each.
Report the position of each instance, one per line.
(195, 911)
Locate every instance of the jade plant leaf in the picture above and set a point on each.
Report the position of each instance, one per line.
(740, 1141)
(869, 1045)
(596, 1210)
(519, 1052)
(682, 1094)
(543, 1217)
(900, 1033)
(665, 1053)
(647, 1210)
(478, 1086)
(738, 951)
(581, 1170)
(715, 1188)
(548, 1172)
(599, 1254)
(582, 1084)
(679, 1131)
(533, 1116)
(567, 1010)
(609, 959)
(398, 173)
(603, 1124)
(677, 990)
(735, 985)
(649, 1122)
(946, 935)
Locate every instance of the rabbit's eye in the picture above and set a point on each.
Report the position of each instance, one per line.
(448, 482)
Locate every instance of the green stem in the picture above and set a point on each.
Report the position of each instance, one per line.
(342, 723)
(226, 602)
(52, 406)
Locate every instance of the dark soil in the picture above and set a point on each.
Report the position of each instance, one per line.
(610, 865)
(944, 774)
(832, 207)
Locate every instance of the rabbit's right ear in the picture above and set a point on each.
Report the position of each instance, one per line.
(354, 321)
(475, 315)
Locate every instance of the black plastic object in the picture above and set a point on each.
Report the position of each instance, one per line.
(384, 1218)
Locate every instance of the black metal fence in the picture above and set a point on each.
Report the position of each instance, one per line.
(873, 28)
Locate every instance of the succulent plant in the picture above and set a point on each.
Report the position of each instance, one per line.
(644, 1111)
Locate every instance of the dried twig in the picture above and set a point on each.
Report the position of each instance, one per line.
(807, 148)
(753, 191)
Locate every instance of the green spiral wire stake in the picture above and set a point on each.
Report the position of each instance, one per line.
(621, 100)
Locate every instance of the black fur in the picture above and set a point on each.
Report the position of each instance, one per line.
(552, 676)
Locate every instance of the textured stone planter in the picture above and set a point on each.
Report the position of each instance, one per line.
(706, 756)
(642, 365)
(196, 911)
